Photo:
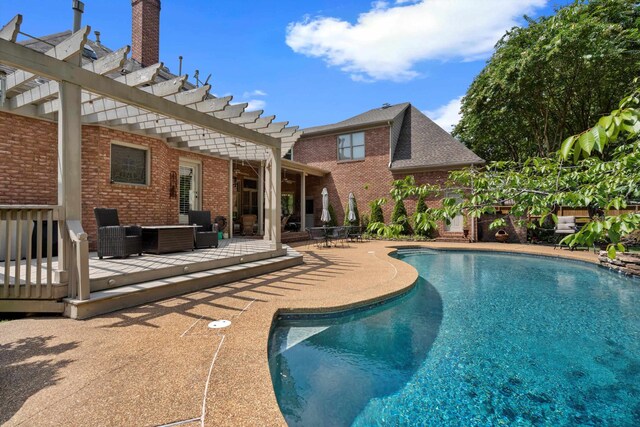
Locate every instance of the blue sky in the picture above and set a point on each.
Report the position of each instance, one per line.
(313, 62)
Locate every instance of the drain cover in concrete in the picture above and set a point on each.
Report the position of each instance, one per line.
(217, 324)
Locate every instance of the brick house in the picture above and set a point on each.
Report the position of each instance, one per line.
(365, 153)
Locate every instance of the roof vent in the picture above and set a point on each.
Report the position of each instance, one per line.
(89, 52)
(386, 105)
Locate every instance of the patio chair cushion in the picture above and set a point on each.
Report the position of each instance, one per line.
(206, 236)
(114, 239)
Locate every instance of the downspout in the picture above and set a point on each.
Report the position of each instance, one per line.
(390, 124)
(3, 88)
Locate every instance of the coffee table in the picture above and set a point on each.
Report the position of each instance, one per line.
(161, 239)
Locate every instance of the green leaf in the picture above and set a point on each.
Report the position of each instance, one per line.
(611, 251)
(576, 154)
(605, 122)
(567, 144)
(587, 141)
(600, 137)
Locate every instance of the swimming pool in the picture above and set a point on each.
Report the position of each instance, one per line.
(482, 339)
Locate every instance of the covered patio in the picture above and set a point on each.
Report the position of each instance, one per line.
(62, 85)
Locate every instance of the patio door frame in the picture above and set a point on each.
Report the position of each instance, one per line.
(457, 223)
(195, 198)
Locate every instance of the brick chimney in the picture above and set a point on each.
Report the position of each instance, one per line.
(145, 31)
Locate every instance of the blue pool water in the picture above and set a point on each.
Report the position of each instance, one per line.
(483, 339)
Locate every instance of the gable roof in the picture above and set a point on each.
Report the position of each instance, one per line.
(424, 144)
(368, 118)
(419, 143)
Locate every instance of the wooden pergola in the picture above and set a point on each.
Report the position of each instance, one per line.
(62, 85)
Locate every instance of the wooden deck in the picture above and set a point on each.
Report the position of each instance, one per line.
(139, 279)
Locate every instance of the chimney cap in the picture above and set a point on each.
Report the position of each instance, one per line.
(78, 5)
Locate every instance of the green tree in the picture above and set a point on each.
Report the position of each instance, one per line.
(376, 210)
(551, 79)
(399, 216)
(598, 168)
(421, 208)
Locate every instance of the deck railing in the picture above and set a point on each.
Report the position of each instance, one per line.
(22, 237)
(78, 261)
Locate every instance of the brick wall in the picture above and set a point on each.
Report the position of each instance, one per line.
(29, 173)
(368, 179)
(28, 161)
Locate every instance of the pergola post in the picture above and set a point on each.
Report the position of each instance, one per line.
(230, 221)
(267, 200)
(69, 169)
(275, 182)
(261, 198)
(303, 201)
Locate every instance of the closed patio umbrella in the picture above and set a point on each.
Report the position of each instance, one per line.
(325, 206)
(352, 208)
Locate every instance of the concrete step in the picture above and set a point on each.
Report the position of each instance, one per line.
(109, 300)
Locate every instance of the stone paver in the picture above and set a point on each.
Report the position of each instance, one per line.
(160, 363)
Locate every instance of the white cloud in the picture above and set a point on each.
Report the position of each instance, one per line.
(387, 42)
(256, 92)
(447, 115)
(256, 104)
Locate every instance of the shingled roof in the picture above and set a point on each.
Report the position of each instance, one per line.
(424, 144)
(419, 143)
(369, 118)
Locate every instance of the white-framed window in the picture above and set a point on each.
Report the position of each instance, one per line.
(351, 146)
(130, 164)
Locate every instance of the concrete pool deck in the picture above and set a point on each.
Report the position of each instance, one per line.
(160, 364)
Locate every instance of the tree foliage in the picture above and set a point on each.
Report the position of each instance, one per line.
(333, 222)
(376, 210)
(552, 79)
(399, 216)
(421, 208)
(575, 177)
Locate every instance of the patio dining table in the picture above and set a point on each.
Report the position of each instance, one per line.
(325, 234)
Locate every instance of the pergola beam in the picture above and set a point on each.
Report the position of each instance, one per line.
(231, 111)
(262, 122)
(119, 110)
(247, 117)
(136, 78)
(11, 30)
(65, 50)
(23, 58)
(104, 65)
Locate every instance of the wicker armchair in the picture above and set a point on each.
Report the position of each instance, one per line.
(205, 236)
(116, 240)
(248, 221)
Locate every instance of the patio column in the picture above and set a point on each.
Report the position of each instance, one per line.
(69, 169)
(261, 198)
(230, 220)
(267, 201)
(275, 181)
(303, 201)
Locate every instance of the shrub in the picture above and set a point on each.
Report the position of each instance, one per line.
(421, 208)
(332, 215)
(364, 221)
(399, 216)
(376, 210)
